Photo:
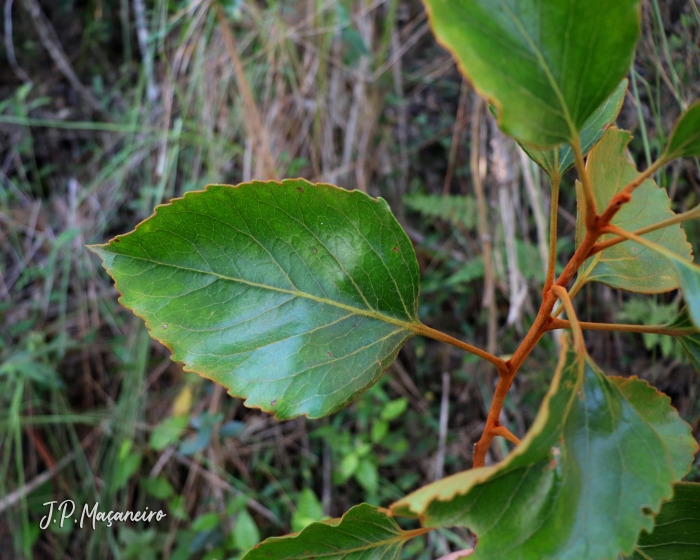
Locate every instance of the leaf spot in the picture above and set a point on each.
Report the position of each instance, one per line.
(330, 354)
(396, 249)
(300, 189)
(165, 327)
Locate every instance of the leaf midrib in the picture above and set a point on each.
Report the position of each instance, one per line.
(545, 68)
(411, 326)
(400, 537)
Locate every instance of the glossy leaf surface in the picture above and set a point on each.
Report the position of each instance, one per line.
(628, 265)
(363, 533)
(579, 484)
(676, 535)
(292, 295)
(557, 161)
(547, 65)
(685, 138)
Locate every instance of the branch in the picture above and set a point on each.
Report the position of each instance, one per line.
(691, 214)
(644, 329)
(625, 194)
(505, 433)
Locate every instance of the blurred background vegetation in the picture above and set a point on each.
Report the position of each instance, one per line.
(110, 107)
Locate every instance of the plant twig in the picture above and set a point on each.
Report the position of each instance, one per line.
(618, 327)
(691, 214)
(538, 328)
(625, 194)
(505, 433)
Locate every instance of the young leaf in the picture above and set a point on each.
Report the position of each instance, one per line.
(676, 534)
(583, 482)
(363, 532)
(546, 65)
(292, 295)
(685, 138)
(628, 265)
(309, 510)
(556, 161)
(690, 341)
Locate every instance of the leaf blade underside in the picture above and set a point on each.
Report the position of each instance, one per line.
(292, 295)
(628, 265)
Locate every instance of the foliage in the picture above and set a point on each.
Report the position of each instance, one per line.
(156, 435)
(297, 296)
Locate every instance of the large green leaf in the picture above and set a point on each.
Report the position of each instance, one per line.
(583, 482)
(292, 295)
(555, 162)
(685, 138)
(547, 65)
(363, 533)
(628, 265)
(690, 341)
(676, 535)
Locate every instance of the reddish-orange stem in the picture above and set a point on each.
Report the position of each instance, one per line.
(506, 433)
(648, 329)
(595, 227)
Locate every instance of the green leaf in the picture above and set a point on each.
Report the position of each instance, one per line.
(363, 532)
(206, 522)
(292, 295)
(309, 510)
(628, 265)
(676, 535)
(685, 138)
(245, 531)
(690, 341)
(367, 475)
(168, 432)
(158, 487)
(582, 484)
(546, 65)
(393, 409)
(555, 162)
